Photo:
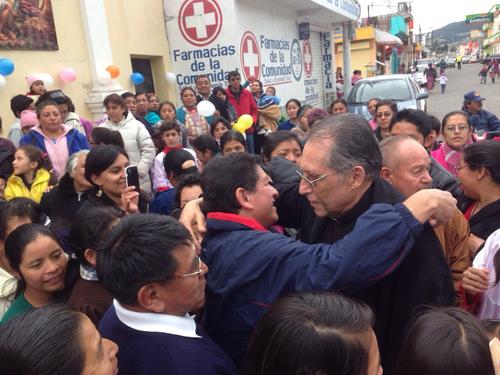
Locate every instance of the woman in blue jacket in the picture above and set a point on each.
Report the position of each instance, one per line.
(54, 138)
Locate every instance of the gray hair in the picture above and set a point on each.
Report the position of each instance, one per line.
(73, 161)
(353, 143)
(389, 148)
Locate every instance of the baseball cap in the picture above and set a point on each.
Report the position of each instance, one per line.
(268, 100)
(473, 96)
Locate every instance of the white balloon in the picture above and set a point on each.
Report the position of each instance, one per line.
(205, 108)
(170, 77)
(3, 82)
(47, 79)
(104, 77)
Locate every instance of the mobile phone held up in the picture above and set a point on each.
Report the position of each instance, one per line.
(132, 177)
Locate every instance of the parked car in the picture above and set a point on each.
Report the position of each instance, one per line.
(400, 88)
(487, 59)
(466, 59)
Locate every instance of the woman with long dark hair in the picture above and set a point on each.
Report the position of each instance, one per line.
(39, 263)
(479, 172)
(445, 341)
(105, 169)
(314, 333)
(55, 340)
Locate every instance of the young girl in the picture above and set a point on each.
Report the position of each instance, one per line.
(219, 127)
(292, 108)
(171, 136)
(232, 142)
(39, 263)
(167, 113)
(36, 86)
(483, 73)
(442, 81)
(30, 178)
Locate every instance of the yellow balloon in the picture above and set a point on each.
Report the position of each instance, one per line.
(239, 128)
(246, 120)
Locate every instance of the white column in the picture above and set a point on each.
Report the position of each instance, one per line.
(346, 55)
(99, 49)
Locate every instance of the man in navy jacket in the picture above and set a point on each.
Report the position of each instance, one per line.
(151, 269)
(251, 266)
(479, 118)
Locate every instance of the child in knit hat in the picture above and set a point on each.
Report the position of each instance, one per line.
(28, 120)
(36, 85)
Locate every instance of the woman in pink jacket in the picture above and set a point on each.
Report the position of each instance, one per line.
(457, 133)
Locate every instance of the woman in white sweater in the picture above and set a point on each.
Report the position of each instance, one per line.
(138, 143)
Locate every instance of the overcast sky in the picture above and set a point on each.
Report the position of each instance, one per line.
(430, 14)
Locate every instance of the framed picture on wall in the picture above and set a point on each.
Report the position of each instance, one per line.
(27, 24)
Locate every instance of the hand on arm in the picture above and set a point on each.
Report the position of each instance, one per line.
(434, 205)
(194, 220)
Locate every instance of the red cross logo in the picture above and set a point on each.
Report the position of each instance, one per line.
(200, 21)
(308, 62)
(250, 55)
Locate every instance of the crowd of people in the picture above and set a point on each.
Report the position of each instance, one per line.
(162, 241)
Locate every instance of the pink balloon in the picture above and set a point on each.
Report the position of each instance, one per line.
(67, 75)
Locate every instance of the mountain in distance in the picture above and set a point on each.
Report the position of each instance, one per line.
(456, 32)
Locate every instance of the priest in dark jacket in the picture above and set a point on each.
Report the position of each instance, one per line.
(339, 182)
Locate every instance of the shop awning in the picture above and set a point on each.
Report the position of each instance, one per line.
(323, 13)
(382, 37)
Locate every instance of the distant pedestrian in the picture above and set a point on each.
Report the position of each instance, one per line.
(442, 66)
(494, 70)
(442, 81)
(483, 73)
(459, 62)
(431, 75)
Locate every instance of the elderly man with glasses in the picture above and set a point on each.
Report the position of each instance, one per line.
(340, 181)
(252, 265)
(149, 265)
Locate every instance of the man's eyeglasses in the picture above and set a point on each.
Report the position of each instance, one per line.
(312, 182)
(195, 273)
(453, 128)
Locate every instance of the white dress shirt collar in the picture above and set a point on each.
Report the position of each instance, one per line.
(184, 326)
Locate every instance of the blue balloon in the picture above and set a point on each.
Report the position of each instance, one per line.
(137, 78)
(6, 67)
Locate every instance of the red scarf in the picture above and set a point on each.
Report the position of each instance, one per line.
(166, 150)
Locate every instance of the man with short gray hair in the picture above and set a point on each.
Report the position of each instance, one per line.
(406, 165)
(340, 180)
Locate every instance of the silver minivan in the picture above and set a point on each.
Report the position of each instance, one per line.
(400, 88)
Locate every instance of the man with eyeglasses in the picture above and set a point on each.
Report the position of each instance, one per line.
(252, 265)
(243, 103)
(150, 267)
(417, 124)
(340, 181)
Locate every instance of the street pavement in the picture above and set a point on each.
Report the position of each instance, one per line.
(459, 82)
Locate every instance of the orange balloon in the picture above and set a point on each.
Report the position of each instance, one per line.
(113, 70)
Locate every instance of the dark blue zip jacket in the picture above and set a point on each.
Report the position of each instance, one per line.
(483, 120)
(249, 267)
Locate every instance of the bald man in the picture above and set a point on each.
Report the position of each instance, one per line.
(406, 166)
